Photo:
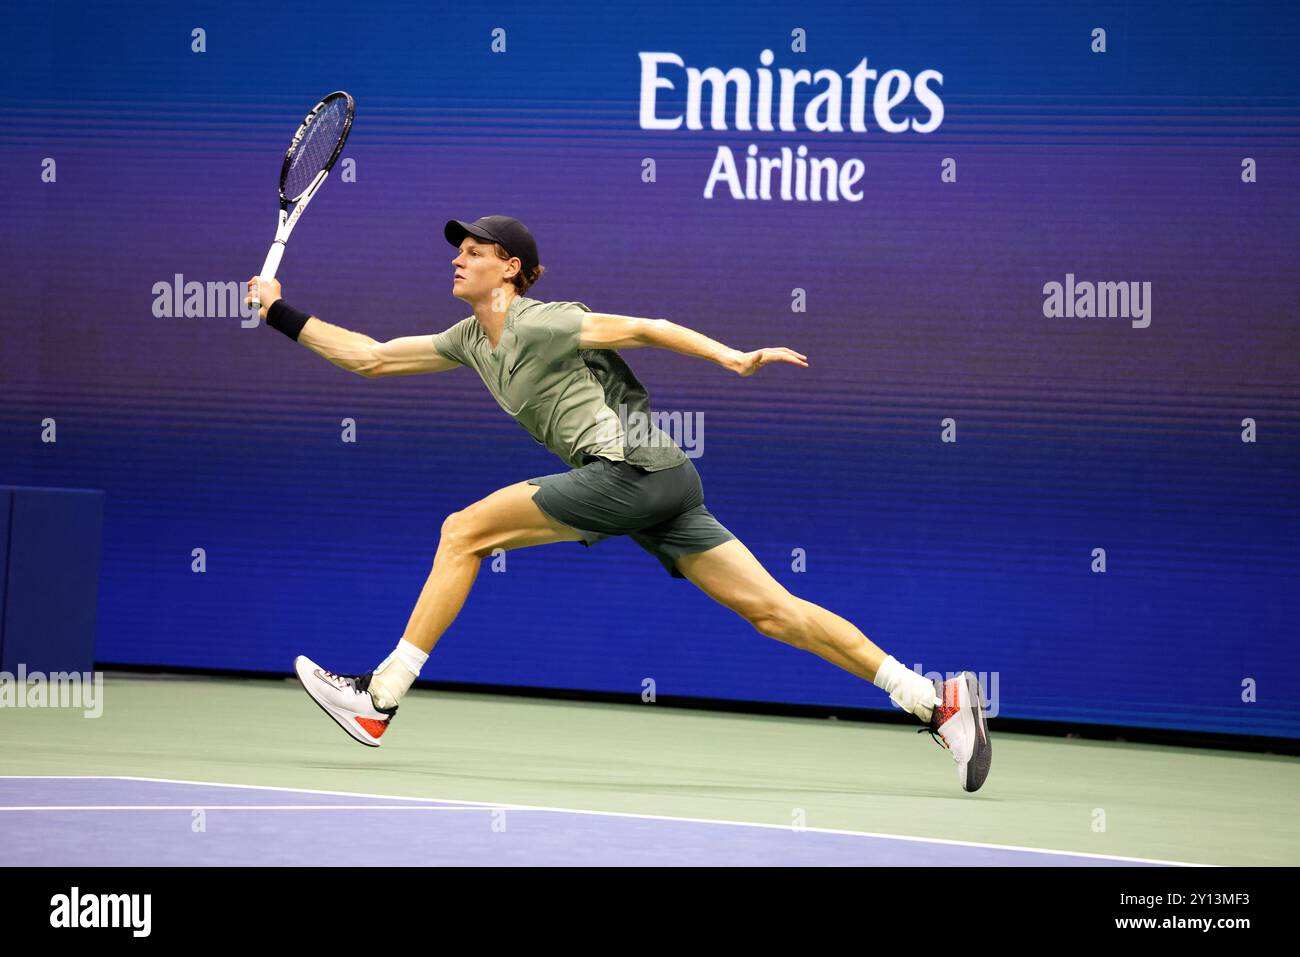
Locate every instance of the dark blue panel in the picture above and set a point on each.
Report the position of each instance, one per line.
(6, 504)
(53, 581)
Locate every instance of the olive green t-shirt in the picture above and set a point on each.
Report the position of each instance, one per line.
(577, 402)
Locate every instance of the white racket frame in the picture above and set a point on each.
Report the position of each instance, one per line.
(287, 219)
(287, 222)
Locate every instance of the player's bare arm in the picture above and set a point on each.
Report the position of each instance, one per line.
(355, 351)
(604, 331)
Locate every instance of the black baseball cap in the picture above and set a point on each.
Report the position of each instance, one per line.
(513, 236)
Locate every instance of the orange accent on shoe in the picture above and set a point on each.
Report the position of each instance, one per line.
(373, 727)
(950, 705)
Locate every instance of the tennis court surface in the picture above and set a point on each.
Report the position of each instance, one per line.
(204, 771)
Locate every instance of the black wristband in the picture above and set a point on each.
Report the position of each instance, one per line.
(287, 319)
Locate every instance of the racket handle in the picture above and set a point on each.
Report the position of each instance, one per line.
(269, 269)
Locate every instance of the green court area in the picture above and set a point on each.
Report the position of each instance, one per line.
(1111, 799)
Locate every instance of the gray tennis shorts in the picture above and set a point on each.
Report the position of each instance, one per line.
(661, 511)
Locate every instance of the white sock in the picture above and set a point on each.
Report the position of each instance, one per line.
(394, 675)
(912, 692)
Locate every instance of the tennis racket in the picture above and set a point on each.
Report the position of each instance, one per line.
(310, 157)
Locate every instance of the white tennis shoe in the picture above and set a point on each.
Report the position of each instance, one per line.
(960, 726)
(346, 699)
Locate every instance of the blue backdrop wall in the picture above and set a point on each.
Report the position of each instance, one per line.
(925, 301)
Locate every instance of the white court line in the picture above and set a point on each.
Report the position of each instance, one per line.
(622, 814)
(665, 817)
(243, 807)
(120, 777)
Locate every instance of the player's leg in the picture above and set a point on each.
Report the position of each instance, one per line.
(693, 544)
(730, 575)
(363, 705)
(506, 519)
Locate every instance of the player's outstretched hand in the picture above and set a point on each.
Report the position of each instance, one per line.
(269, 290)
(751, 362)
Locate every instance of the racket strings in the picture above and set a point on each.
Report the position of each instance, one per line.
(315, 148)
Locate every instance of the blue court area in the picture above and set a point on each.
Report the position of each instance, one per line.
(128, 821)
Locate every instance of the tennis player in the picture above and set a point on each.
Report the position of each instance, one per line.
(555, 368)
